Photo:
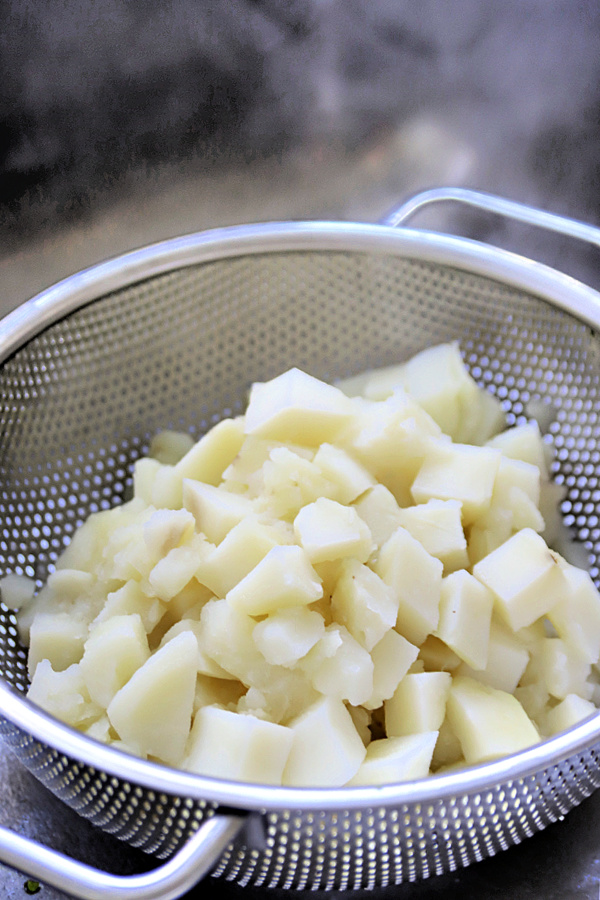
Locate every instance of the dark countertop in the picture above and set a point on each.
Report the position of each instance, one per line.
(358, 106)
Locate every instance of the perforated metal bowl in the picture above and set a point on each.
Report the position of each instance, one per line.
(171, 337)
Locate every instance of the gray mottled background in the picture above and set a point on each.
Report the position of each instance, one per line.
(125, 122)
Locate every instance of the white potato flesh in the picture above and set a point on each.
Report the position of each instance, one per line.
(215, 510)
(418, 704)
(282, 578)
(571, 710)
(465, 617)
(58, 637)
(297, 408)
(524, 576)
(487, 722)
(209, 457)
(525, 443)
(171, 573)
(379, 509)
(237, 747)
(152, 713)
(338, 666)
(350, 478)
(437, 525)
(363, 603)
(324, 567)
(16, 591)
(415, 578)
(238, 553)
(326, 748)
(287, 635)
(167, 529)
(169, 446)
(507, 659)
(458, 472)
(394, 759)
(63, 694)
(576, 615)
(392, 657)
(114, 650)
(128, 600)
(328, 530)
(438, 379)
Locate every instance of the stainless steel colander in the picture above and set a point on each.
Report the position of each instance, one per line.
(171, 336)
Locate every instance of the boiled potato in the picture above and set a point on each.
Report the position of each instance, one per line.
(345, 586)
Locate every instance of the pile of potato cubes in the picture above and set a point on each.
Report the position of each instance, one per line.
(341, 587)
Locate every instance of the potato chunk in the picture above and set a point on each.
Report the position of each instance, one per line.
(327, 530)
(487, 722)
(326, 747)
(152, 712)
(394, 759)
(297, 408)
(236, 746)
(284, 577)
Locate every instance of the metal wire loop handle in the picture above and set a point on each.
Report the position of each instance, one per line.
(510, 209)
(167, 882)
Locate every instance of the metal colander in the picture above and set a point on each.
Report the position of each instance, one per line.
(171, 337)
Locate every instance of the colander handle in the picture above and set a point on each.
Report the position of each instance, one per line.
(198, 855)
(510, 209)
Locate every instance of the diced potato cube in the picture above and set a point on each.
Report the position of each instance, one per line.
(523, 442)
(458, 472)
(58, 637)
(439, 381)
(171, 573)
(168, 446)
(238, 553)
(447, 750)
(328, 531)
(339, 667)
(487, 722)
(576, 615)
(289, 482)
(16, 591)
(363, 603)
(489, 532)
(465, 617)
(63, 694)
(288, 634)
(392, 657)
(298, 408)
(238, 747)
(524, 576)
(209, 457)
(437, 525)
(394, 759)
(418, 704)
(516, 473)
(326, 747)
(128, 600)
(145, 471)
(204, 664)
(379, 509)
(282, 578)
(568, 712)
(215, 510)
(152, 713)
(415, 577)
(166, 529)
(507, 660)
(350, 478)
(114, 650)
(482, 417)
(562, 671)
